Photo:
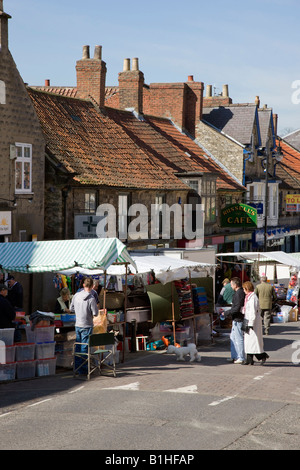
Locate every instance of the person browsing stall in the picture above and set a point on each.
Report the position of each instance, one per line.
(85, 307)
(63, 302)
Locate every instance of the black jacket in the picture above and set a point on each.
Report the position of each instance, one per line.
(238, 300)
(7, 313)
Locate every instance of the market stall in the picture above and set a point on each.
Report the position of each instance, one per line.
(167, 282)
(50, 256)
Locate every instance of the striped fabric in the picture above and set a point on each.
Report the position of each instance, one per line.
(57, 255)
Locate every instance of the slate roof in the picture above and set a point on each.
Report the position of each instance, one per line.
(236, 120)
(293, 139)
(288, 170)
(265, 121)
(96, 148)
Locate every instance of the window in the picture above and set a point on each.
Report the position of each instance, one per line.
(123, 203)
(90, 202)
(23, 167)
(160, 199)
(208, 197)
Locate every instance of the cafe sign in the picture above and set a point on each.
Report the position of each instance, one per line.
(239, 215)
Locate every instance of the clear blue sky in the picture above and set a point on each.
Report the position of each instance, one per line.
(253, 46)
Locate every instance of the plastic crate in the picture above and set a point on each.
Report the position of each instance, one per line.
(7, 336)
(66, 317)
(45, 350)
(25, 351)
(26, 369)
(46, 366)
(40, 334)
(7, 354)
(8, 371)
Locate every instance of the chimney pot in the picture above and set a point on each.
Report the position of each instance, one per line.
(257, 101)
(126, 66)
(85, 52)
(208, 91)
(225, 91)
(135, 63)
(1, 5)
(98, 52)
(190, 78)
(47, 82)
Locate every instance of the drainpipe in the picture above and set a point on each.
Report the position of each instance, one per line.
(245, 152)
(65, 192)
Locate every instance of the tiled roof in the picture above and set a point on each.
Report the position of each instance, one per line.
(195, 155)
(236, 120)
(92, 145)
(288, 170)
(172, 146)
(110, 91)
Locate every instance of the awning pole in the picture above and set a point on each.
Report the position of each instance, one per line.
(173, 313)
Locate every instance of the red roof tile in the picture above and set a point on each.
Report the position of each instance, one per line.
(92, 145)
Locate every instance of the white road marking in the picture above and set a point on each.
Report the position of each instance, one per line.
(132, 386)
(77, 389)
(39, 402)
(215, 403)
(5, 414)
(188, 389)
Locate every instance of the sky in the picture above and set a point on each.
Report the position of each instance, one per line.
(253, 46)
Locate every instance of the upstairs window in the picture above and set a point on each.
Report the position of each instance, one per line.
(23, 168)
(90, 202)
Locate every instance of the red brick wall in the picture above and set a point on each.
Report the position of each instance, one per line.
(91, 74)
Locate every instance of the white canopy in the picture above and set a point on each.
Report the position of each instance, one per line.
(278, 256)
(166, 269)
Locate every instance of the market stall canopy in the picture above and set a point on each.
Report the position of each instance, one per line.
(166, 269)
(278, 256)
(57, 255)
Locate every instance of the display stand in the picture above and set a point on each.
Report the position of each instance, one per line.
(120, 323)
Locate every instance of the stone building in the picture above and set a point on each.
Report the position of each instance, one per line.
(97, 154)
(22, 149)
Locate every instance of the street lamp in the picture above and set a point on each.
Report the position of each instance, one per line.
(278, 155)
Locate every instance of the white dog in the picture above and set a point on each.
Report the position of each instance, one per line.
(184, 351)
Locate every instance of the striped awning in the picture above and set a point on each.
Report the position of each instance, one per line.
(57, 255)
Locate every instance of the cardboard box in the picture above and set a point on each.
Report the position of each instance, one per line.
(293, 315)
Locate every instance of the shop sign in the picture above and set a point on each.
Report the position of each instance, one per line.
(5, 223)
(85, 226)
(292, 202)
(239, 215)
(275, 242)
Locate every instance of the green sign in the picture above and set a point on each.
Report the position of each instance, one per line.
(239, 215)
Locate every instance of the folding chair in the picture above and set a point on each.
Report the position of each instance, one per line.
(96, 358)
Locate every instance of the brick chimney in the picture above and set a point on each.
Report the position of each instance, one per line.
(210, 101)
(4, 17)
(131, 83)
(193, 104)
(180, 102)
(91, 75)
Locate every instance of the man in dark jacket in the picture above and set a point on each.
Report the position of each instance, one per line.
(15, 293)
(236, 313)
(7, 312)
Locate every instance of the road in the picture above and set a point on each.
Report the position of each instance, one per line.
(156, 403)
